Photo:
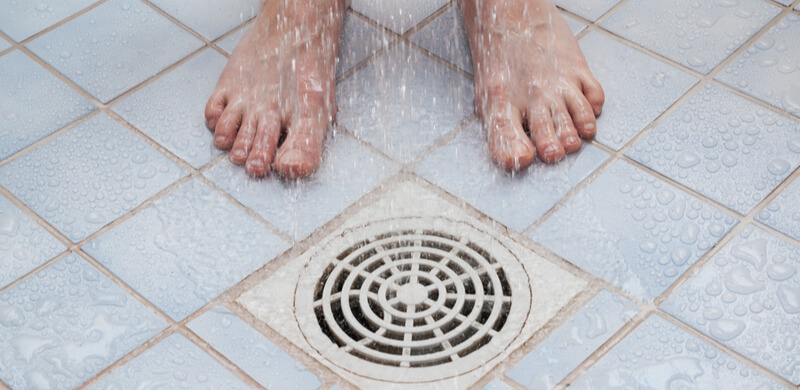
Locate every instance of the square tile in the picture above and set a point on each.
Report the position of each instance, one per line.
(4, 44)
(374, 252)
(783, 213)
(699, 35)
(573, 342)
(659, 355)
(24, 245)
(171, 364)
(638, 87)
(65, 324)
(748, 298)
(724, 147)
(465, 168)
(210, 18)
(359, 40)
(109, 49)
(635, 231)
(347, 172)
(170, 110)
(33, 103)
(446, 37)
(186, 249)
(22, 19)
(397, 15)
(575, 25)
(770, 69)
(252, 352)
(230, 42)
(591, 10)
(403, 102)
(89, 176)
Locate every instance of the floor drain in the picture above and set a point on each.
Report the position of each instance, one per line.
(402, 299)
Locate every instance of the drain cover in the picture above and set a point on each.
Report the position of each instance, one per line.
(412, 300)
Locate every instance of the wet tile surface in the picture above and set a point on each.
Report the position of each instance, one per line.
(591, 10)
(4, 44)
(229, 43)
(575, 25)
(76, 324)
(33, 103)
(348, 171)
(359, 40)
(210, 18)
(24, 245)
(403, 102)
(573, 342)
(636, 231)
(699, 35)
(783, 213)
(770, 69)
(22, 19)
(446, 37)
(748, 298)
(170, 110)
(398, 16)
(635, 96)
(257, 356)
(186, 249)
(109, 49)
(89, 176)
(497, 385)
(171, 364)
(659, 355)
(724, 147)
(465, 168)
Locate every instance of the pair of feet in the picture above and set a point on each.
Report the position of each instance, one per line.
(529, 73)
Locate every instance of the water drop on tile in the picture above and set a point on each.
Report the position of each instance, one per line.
(740, 281)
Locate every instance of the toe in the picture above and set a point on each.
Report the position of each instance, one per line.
(582, 114)
(265, 142)
(214, 108)
(540, 123)
(300, 154)
(565, 130)
(508, 144)
(244, 140)
(227, 127)
(594, 93)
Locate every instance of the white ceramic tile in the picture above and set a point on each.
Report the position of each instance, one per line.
(186, 249)
(591, 10)
(638, 88)
(770, 69)
(699, 35)
(171, 364)
(4, 44)
(210, 18)
(397, 15)
(723, 146)
(170, 110)
(497, 385)
(633, 230)
(21, 19)
(446, 37)
(575, 25)
(88, 176)
(659, 355)
(229, 43)
(33, 103)
(748, 298)
(252, 352)
(465, 168)
(24, 245)
(573, 342)
(348, 171)
(785, 2)
(403, 102)
(783, 213)
(65, 324)
(359, 40)
(111, 48)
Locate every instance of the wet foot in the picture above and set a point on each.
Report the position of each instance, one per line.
(280, 77)
(529, 71)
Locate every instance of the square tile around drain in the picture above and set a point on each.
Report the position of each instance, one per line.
(444, 296)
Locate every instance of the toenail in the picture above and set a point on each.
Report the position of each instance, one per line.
(238, 153)
(573, 139)
(588, 126)
(219, 139)
(519, 149)
(551, 150)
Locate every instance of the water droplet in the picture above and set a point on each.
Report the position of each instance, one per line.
(41, 7)
(794, 145)
(778, 167)
(780, 271)
(11, 316)
(65, 54)
(791, 98)
(688, 160)
(753, 252)
(726, 329)
(789, 296)
(9, 224)
(740, 281)
(729, 159)
(680, 256)
(696, 61)
(689, 233)
(765, 42)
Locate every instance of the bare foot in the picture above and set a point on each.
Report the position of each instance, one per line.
(529, 69)
(280, 76)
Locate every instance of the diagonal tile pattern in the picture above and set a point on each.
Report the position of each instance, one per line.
(210, 18)
(4, 44)
(783, 213)
(359, 40)
(446, 37)
(591, 10)
(22, 19)
(398, 16)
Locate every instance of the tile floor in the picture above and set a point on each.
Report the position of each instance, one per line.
(127, 239)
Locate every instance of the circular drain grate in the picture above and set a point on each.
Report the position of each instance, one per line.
(398, 300)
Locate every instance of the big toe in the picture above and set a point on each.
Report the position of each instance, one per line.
(300, 154)
(508, 144)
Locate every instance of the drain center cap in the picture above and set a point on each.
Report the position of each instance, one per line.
(412, 293)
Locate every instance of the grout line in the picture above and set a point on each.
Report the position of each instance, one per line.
(219, 357)
(36, 270)
(440, 143)
(59, 23)
(178, 22)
